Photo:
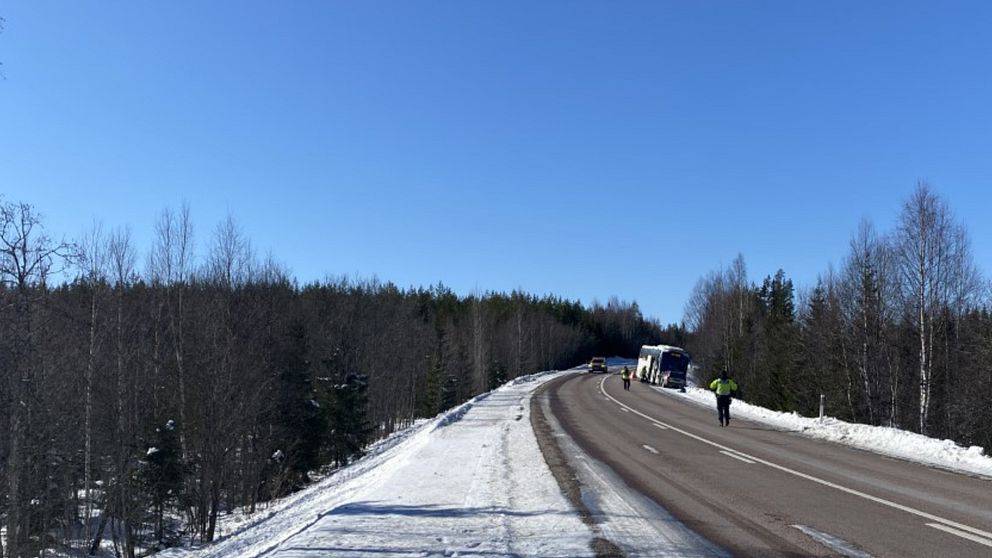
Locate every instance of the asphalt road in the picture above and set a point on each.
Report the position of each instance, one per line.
(756, 491)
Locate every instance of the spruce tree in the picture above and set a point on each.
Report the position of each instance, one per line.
(778, 297)
(449, 392)
(431, 401)
(350, 431)
(163, 474)
(497, 375)
(299, 418)
(430, 398)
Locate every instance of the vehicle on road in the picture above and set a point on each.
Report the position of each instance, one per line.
(663, 365)
(597, 364)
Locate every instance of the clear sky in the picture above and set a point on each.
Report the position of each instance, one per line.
(585, 149)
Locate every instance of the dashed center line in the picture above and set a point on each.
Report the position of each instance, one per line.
(650, 449)
(962, 534)
(735, 456)
(942, 523)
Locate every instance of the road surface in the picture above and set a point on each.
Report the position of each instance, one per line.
(756, 491)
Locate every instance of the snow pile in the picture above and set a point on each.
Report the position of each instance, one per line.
(469, 482)
(892, 442)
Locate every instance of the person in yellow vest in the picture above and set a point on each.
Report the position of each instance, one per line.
(724, 388)
(625, 375)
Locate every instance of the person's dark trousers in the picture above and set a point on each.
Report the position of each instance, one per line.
(626, 384)
(723, 408)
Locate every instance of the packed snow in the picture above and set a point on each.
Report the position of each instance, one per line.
(473, 482)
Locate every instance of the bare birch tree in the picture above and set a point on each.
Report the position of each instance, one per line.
(934, 262)
(231, 259)
(93, 260)
(864, 273)
(27, 257)
(170, 266)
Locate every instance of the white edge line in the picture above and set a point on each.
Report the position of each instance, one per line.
(853, 492)
(962, 534)
(735, 456)
(661, 426)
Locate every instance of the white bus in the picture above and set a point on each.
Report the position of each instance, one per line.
(663, 364)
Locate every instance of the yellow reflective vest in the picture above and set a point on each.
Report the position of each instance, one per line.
(723, 387)
(625, 374)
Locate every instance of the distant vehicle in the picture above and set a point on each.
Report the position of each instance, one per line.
(597, 364)
(663, 365)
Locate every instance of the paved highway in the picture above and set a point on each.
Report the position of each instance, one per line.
(756, 491)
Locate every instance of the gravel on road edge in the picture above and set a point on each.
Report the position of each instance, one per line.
(565, 475)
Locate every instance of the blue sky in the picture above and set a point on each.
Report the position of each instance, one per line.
(585, 149)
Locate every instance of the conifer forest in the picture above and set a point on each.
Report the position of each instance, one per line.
(900, 334)
(144, 393)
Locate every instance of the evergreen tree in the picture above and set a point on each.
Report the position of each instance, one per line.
(430, 398)
(300, 422)
(163, 474)
(350, 428)
(449, 393)
(777, 296)
(819, 355)
(497, 375)
(225, 348)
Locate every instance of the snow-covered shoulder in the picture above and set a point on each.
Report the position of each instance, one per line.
(945, 454)
(471, 481)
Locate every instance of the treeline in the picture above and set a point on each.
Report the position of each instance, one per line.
(140, 402)
(900, 335)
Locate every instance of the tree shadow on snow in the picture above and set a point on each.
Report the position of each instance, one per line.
(350, 551)
(429, 510)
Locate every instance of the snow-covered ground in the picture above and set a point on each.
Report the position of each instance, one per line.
(473, 482)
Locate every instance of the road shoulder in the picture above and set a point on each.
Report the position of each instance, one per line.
(564, 473)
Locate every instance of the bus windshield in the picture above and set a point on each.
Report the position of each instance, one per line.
(674, 361)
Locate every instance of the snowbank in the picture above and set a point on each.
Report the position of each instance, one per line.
(471, 481)
(945, 454)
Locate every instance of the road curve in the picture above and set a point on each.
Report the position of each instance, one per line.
(756, 491)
